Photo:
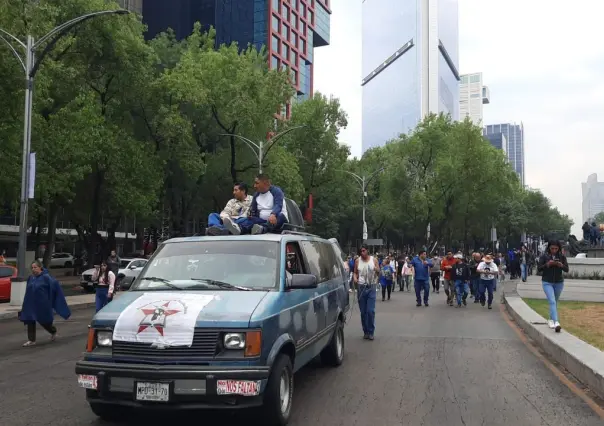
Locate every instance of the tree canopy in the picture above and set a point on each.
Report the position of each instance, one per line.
(132, 134)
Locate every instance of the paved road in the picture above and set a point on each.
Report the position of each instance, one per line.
(579, 290)
(428, 366)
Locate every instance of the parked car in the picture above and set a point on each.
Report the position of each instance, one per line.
(129, 270)
(218, 322)
(6, 273)
(60, 260)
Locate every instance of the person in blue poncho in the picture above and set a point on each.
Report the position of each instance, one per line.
(43, 297)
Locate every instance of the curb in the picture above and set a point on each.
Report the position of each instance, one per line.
(14, 314)
(581, 359)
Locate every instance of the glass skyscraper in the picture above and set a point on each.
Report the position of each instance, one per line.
(512, 136)
(410, 65)
(290, 29)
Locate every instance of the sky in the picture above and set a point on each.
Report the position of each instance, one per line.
(543, 66)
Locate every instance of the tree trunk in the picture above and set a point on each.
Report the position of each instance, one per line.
(51, 233)
(95, 213)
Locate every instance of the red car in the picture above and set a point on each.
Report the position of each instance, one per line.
(6, 273)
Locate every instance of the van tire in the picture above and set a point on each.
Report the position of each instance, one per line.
(108, 413)
(333, 354)
(277, 404)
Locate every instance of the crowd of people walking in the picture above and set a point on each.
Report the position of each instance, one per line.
(462, 277)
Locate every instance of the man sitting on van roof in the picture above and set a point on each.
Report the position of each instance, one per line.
(234, 213)
(268, 212)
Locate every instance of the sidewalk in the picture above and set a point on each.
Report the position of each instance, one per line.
(582, 360)
(8, 312)
(575, 290)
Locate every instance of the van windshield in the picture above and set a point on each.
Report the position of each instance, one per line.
(215, 265)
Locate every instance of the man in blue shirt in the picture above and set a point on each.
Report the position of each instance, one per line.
(422, 266)
(268, 211)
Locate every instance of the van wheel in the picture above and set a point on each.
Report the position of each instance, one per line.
(279, 392)
(109, 413)
(333, 354)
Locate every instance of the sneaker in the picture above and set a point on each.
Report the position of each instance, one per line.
(426, 304)
(371, 337)
(419, 305)
(558, 327)
(458, 305)
(482, 303)
(465, 303)
(28, 343)
(366, 336)
(215, 231)
(53, 337)
(490, 306)
(551, 324)
(257, 229)
(231, 226)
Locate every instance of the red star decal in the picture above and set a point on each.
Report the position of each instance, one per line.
(151, 311)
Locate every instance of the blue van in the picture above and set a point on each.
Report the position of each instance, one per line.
(218, 322)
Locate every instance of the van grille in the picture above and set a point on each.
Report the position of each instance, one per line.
(205, 345)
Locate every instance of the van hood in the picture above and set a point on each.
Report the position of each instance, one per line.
(229, 309)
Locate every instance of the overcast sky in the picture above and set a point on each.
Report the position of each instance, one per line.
(543, 65)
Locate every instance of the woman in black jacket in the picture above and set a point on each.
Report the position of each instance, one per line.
(552, 265)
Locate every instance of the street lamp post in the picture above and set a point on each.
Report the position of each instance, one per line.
(30, 65)
(364, 181)
(259, 148)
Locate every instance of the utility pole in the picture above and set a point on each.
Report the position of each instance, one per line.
(259, 149)
(31, 65)
(364, 181)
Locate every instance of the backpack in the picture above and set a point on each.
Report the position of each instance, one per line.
(387, 273)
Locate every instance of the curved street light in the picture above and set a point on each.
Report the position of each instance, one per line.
(364, 181)
(259, 148)
(31, 65)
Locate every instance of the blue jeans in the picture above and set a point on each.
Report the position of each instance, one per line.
(419, 286)
(486, 285)
(101, 298)
(553, 292)
(247, 224)
(523, 271)
(367, 296)
(461, 289)
(214, 220)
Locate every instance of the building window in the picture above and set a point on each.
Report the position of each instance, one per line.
(276, 5)
(310, 16)
(283, 67)
(294, 20)
(274, 63)
(285, 31)
(302, 46)
(294, 38)
(293, 58)
(475, 78)
(285, 52)
(275, 23)
(285, 12)
(303, 27)
(294, 76)
(294, 4)
(275, 44)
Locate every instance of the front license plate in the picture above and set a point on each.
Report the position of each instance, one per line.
(87, 382)
(238, 387)
(156, 392)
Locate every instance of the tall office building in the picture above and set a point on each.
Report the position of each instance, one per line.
(132, 5)
(290, 29)
(472, 96)
(593, 197)
(510, 138)
(410, 65)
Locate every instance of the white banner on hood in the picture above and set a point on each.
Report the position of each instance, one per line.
(161, 318)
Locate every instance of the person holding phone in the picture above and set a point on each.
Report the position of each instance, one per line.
(552, 265)
(105, 287)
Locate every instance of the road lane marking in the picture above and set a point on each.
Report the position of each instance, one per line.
(557, 372)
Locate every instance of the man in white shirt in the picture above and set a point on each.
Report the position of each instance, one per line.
(488, 275)
(268, 211)
(233, 214)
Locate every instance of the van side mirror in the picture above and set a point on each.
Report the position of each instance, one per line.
(302, 281)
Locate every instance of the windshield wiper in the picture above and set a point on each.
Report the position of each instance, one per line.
(222, 284)
(162, 280)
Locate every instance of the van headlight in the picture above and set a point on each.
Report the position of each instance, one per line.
(104, 338)
(234, 341)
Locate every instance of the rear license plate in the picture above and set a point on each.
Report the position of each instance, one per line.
(156, 392)
(87, 382)
(238, 387)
